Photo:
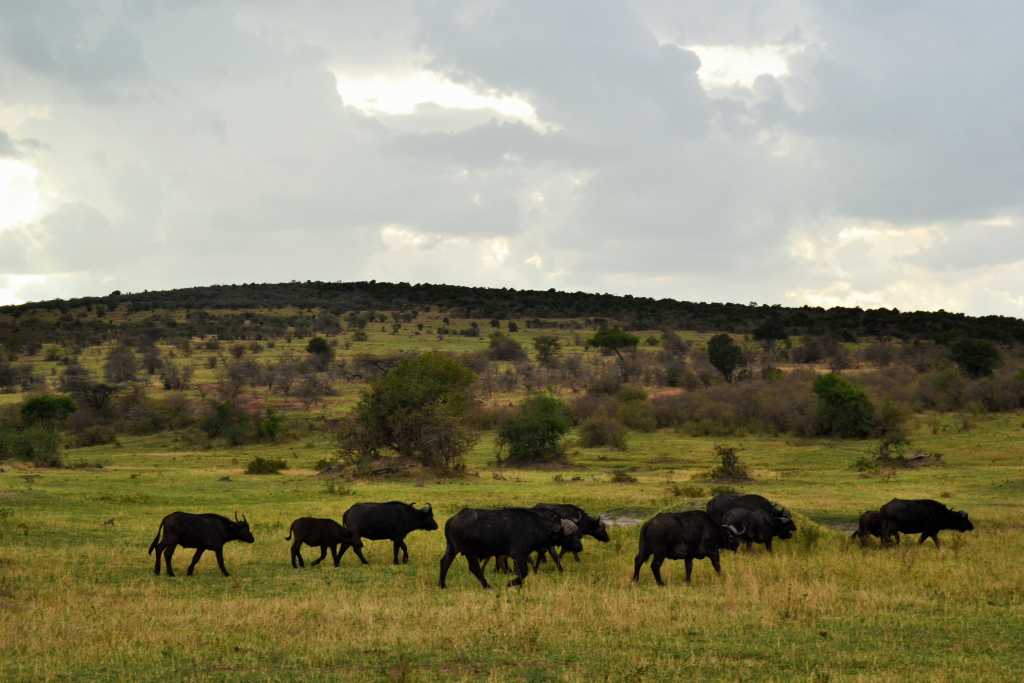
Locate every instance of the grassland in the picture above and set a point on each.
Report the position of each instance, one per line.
(78, 600)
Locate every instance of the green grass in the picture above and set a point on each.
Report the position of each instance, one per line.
(78, 599)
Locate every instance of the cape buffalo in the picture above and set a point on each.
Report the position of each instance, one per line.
(325, 533)
(512, 532)
(569, 544)
(925, 517)
(683, 536)
(390, 521)
(758, 526)
(870, 524)
(588, 526)
(782, 522)
(202, 532)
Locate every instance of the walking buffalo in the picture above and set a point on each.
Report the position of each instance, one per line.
(924, 516)
(776, 522)
(588, 526)
(200, 531)
(391, 521)
(512, 532)
(683, 536)
(758, 526)
(325, 533)
(870, 524)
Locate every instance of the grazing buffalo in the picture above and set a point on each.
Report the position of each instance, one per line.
(925, 517)
(588, 526)
(512, 532)
(390, 521)
(758, 526)
(325, 533)
(870, 524)
(202, 532)
(570, 544)
(683, 536)
(781, 521)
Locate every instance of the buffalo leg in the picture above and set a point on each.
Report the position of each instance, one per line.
(537, 560)
(323, 554)
(159, 552)
(935, 537)
(446, 562)
(656, 568)
(638, 562)
(168, 554)
(335, 555)
(554, 556)
(359, 553)
(297, 555)
(521, 563)
(924, 537)
(689, 568)
(563, 551)
(716, 563)
(405, 551)
(768, 544)
(220, 561)
(194, 562)
(750, 546)
(474, 566)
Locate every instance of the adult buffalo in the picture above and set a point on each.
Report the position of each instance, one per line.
(782, 525)
(758, 526)
(391, 521)
(588, 526)
(512, 532)
(924, 516)
(870, 524)
(683, 536)
(200, 531)
(322, 533)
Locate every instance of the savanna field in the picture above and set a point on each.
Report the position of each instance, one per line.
(79, 601)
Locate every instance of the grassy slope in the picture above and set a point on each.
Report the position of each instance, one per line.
(78, 598)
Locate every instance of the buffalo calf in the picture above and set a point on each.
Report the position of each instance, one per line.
(323, 533)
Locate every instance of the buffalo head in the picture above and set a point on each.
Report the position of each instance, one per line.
(241, 530)
(731, 536)
(426, 518)
(960, 521)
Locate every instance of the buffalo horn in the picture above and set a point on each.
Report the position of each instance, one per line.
(569, 527)
(734, 530)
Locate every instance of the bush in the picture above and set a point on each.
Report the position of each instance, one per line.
(844, 410)
(638, 415)
(416, 410)
(260, 465)
(534, 433)
(602, 430)
(976, 357)
(37, 444)
(505, 348)
(47, 409)
(730, 467)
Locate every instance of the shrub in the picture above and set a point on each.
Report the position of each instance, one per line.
(843, 408)
(37, 444)
(976, 357)
(638, 415)
(47, 409)
(548, 348)
(260, 465)
(416, 410)
(534, 433)
(730, 467)
(505, 348)
(120, 365)
(602, 430)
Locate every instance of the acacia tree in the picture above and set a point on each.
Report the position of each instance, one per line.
(548, 348)
(615, 340)
(725, 355)
(415, 410)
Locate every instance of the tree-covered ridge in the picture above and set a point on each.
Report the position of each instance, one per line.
(268, 309)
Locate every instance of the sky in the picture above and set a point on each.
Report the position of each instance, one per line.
(820, 152)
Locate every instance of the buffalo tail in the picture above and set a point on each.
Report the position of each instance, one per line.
(156, 539)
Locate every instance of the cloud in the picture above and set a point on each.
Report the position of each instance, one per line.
(787, 151)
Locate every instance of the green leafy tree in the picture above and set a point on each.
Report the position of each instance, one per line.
(976, 357)
(843, 409)
(534, 432)
(47, 409)
(321, 351)
(615, 340)
(416, 410)
(548, 348)
(769, 332)
(726, 355)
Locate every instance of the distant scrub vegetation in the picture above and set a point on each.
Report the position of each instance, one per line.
(577, 375)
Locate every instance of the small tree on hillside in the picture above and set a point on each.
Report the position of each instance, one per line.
(615, 340)
(976, 357)
(534, 433)
(321, 352)
(504, 347)
(548, 348)
(415, 410)
(120, 366)
(725, 355)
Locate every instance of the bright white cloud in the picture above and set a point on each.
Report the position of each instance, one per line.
(21, 198)
(732, 65)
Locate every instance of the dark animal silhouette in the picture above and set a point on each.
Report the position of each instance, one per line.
(200, 531)
(758, 526)
(323, 533)
(870, 524)
(511, 532)
(391, 521)
(588, 526)
(686, 536)
(924, 516)
(783, 526)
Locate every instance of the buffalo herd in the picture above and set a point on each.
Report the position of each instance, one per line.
(527, 536)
